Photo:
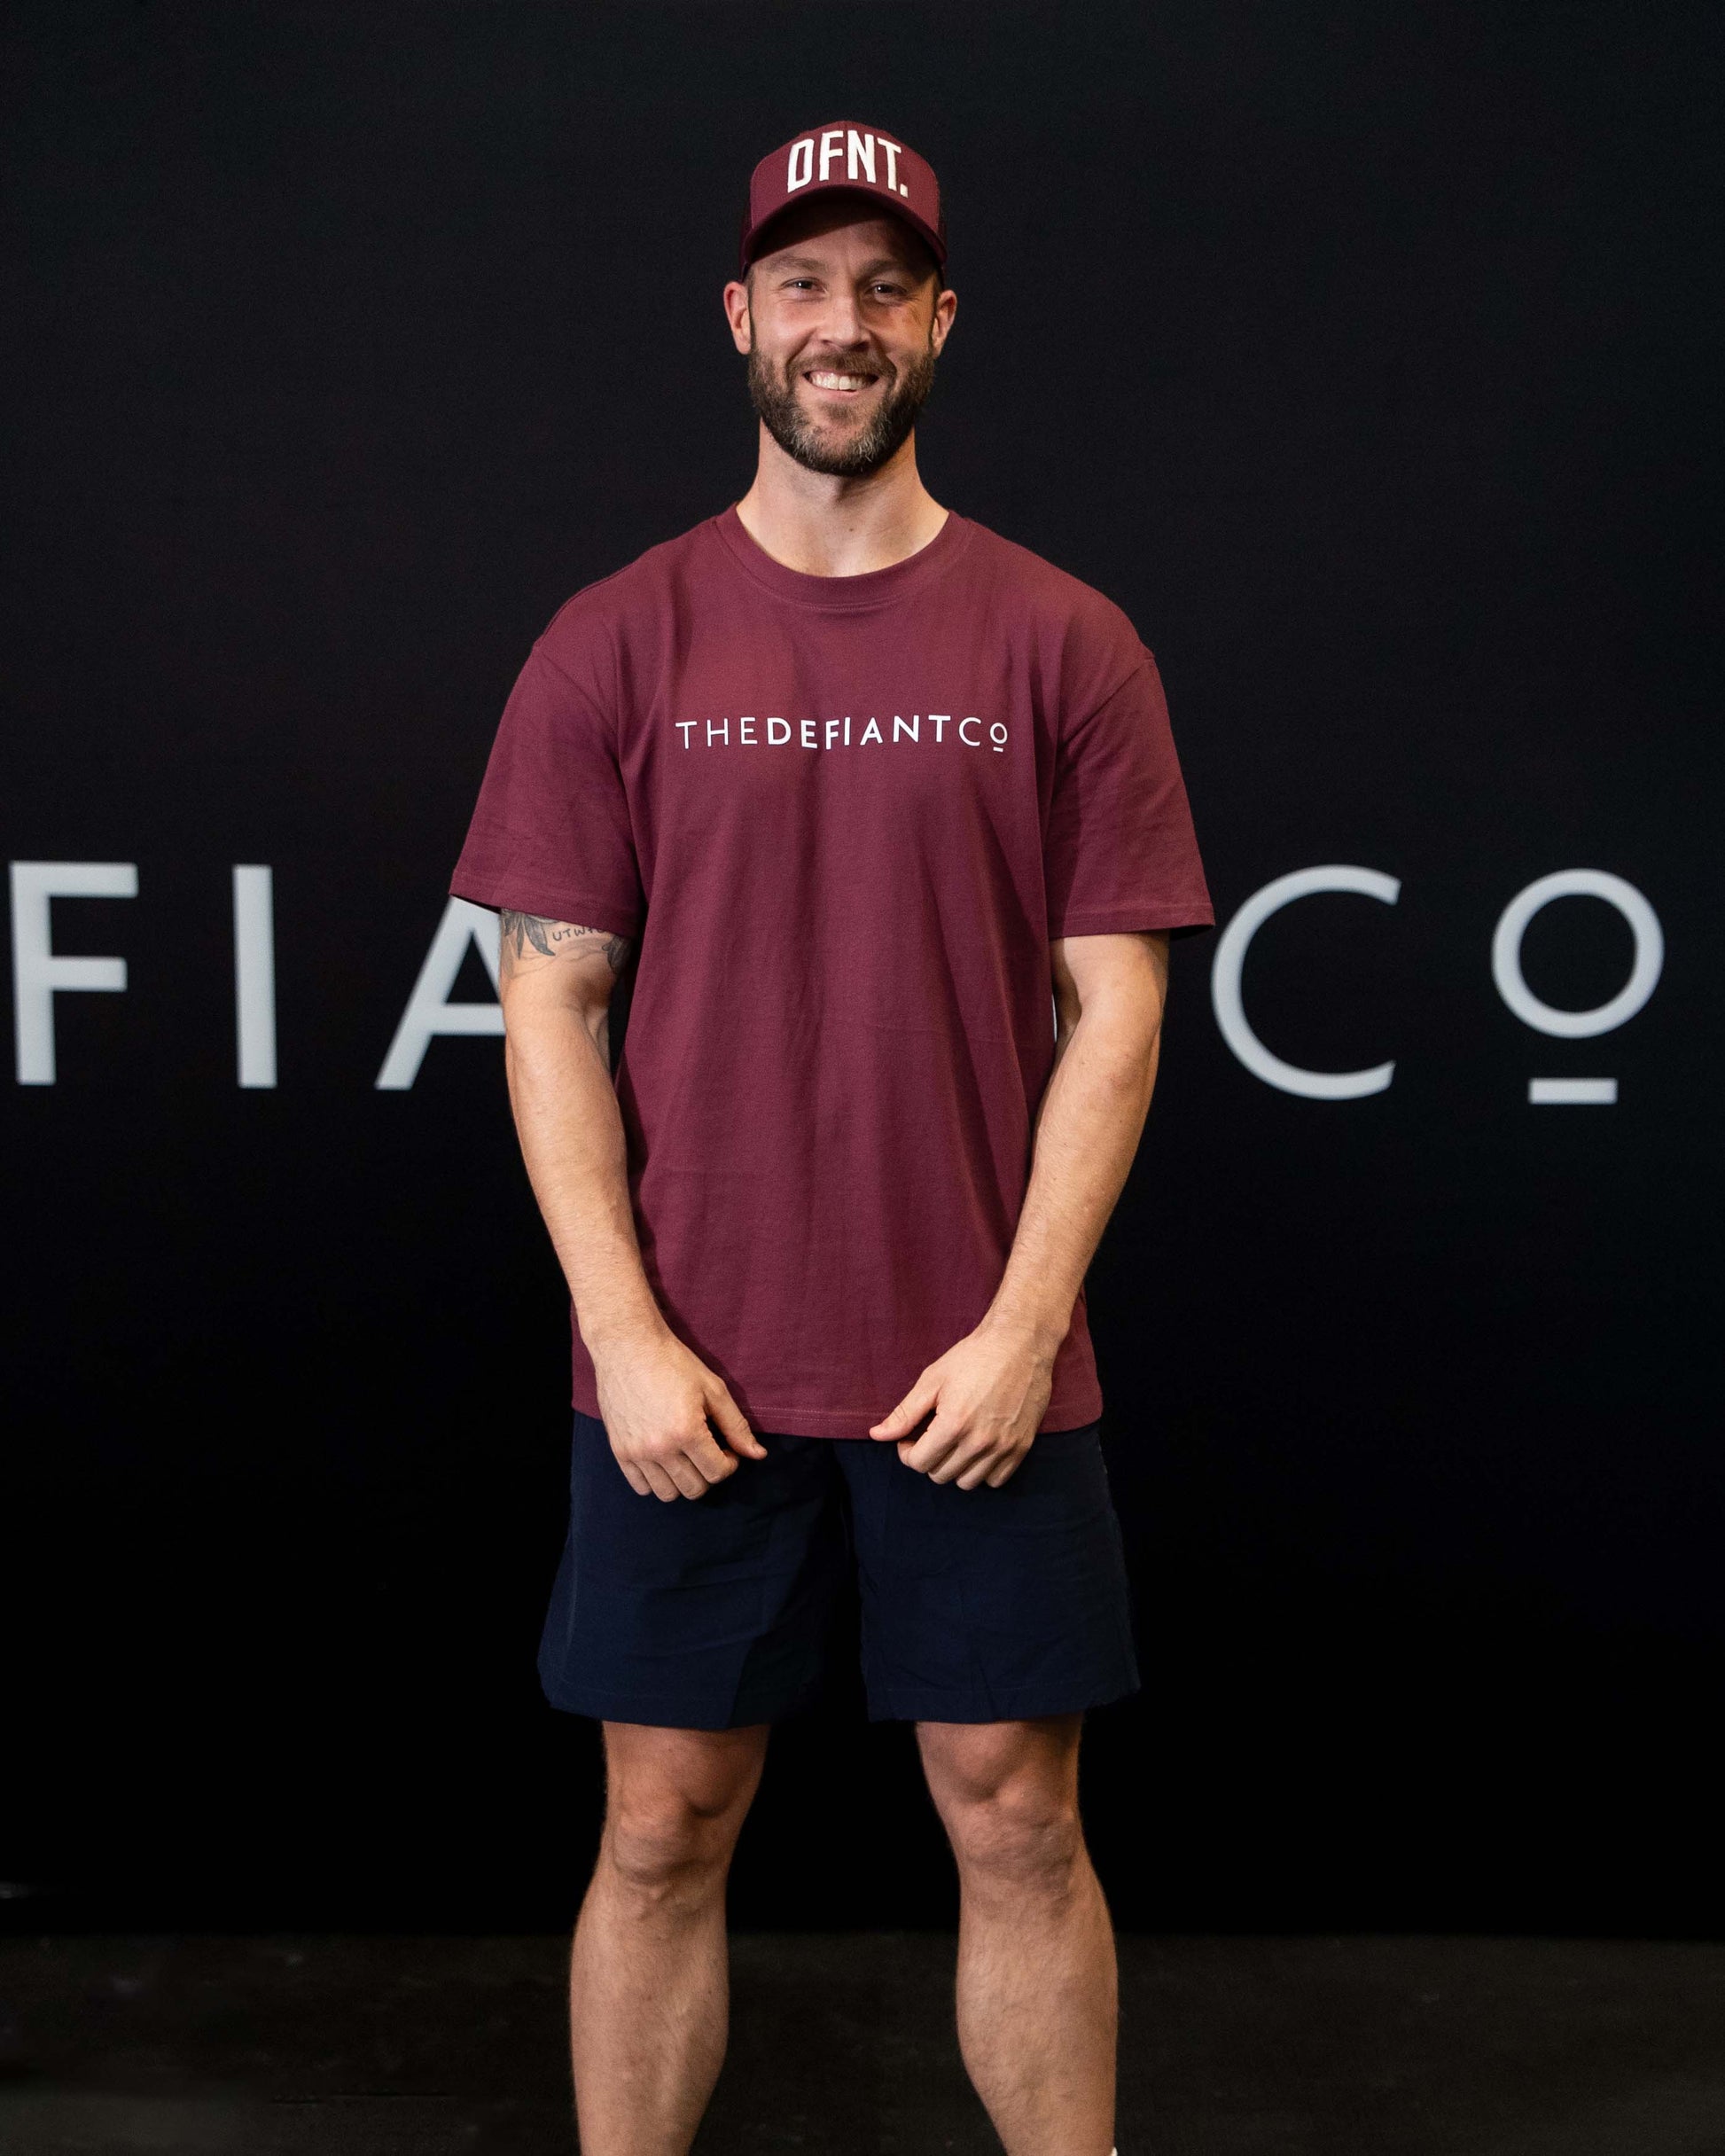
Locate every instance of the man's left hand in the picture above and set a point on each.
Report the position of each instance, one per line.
(983, 1401)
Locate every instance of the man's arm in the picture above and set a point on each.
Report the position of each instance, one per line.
(988, 1393)
(655, 1392)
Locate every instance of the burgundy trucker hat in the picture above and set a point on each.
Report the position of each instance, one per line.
(847, 156)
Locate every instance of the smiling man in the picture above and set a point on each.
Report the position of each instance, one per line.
(876, 819)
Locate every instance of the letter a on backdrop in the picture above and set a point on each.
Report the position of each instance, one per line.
(429, 1010)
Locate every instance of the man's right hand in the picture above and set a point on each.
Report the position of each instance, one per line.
(656, 1397)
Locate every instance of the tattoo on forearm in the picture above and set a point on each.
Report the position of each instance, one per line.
(522, 931)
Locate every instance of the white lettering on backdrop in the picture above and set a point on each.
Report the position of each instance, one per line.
(40, 972)
(38, 975)
(429, 1012)
(1230, 1005)
(1576, 1024)
(254, 977)
(1236, 939)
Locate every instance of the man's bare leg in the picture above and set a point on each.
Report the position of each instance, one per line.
(1037, 2009)
(649, 1983)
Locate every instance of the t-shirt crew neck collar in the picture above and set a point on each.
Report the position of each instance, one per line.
(856, 594)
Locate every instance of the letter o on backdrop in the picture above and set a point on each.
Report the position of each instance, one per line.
(1643, 975)
(1231, 948)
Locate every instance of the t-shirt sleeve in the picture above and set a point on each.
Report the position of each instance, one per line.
(550, 833)
(1120, 853)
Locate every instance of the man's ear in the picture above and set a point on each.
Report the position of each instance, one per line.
(736, 313)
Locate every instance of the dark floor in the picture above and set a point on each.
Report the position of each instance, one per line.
(416, 2047)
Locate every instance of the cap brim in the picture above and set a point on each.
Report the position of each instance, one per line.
(758, 242)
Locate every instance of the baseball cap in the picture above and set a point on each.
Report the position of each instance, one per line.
(845, 156)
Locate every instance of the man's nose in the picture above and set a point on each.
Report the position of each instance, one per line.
(844, 324)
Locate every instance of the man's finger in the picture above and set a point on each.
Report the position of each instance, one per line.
(917, 1402)
(687, 1477)
(927, 1451)
(734, 1424)
(972, 1453)
(1007, 1469)
(635, 1479)
(990, 1467)
(709, 1459)
(660, 1482)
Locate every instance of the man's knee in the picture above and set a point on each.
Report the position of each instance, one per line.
(662, 1848)
(1023, 1838)
(1010, 1806)
(674, 1810)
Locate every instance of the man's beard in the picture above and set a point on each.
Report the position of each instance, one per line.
(774, 399)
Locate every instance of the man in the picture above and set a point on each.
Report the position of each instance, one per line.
(880, 818)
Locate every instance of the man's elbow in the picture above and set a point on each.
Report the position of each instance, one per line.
(1118, 1052)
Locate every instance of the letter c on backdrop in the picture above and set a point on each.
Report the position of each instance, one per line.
(1231, 948)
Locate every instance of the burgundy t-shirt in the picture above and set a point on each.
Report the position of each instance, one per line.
(843, 815)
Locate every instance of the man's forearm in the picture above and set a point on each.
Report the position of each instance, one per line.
(571, 1131)
(973, 1413)
(1087, 1128)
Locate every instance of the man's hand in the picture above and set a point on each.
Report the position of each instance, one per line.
(655, 1397)
(985, 1396)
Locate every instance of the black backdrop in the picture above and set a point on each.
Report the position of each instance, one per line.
(1363, 354)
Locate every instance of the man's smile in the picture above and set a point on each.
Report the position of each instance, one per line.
(837, 384)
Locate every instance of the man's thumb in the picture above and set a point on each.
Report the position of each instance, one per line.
(908, 1412)
(734, 1424)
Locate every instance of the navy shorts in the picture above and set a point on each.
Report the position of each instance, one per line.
(713, 1612)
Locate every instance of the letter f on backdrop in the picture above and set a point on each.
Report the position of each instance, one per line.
(38, 976)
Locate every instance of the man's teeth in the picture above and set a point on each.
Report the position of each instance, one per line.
(824, 379)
